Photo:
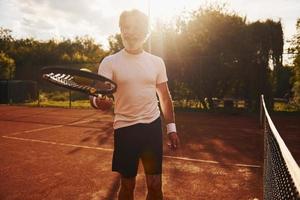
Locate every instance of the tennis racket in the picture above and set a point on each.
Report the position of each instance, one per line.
(79, 80)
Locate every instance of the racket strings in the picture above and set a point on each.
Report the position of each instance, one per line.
(97, 86)
(65, 79)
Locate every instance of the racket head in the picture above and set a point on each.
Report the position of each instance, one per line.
(83, 81)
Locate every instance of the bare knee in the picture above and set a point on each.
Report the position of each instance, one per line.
(127, 188)
(154, 185)
(128, 183)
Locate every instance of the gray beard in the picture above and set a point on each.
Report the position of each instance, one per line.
(132, 45)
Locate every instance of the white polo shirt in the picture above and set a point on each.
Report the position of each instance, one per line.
(136, 77)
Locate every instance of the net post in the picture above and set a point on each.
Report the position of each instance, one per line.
(38, 94)
(70, 98)
(264, 127)
(9, 91)
(261, 117)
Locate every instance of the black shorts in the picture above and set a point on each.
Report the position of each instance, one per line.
(139, 141)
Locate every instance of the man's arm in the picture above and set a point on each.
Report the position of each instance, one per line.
(168, 112)
(103, 102)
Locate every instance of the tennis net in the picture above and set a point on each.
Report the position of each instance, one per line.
(281, 172)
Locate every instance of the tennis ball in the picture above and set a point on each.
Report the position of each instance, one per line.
(82, 80)
(85, 69)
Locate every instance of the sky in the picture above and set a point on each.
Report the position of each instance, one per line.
(47, 19)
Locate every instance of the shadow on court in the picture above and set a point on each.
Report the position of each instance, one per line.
(54, 153)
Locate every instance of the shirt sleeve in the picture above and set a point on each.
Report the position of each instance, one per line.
(162, 73)
(105, 68)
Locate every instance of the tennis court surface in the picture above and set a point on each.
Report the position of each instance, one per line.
(55, 153)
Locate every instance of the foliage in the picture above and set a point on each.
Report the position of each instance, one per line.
(7, 66)
(5, 39)
(284, 85)
(29, 55)
(216, 53)
(115, 43)
(296, 69)
(286, 107)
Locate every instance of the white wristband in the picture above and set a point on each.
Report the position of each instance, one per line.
(94, 102)
(171, 127)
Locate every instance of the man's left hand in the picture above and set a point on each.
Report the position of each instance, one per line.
(174, 140)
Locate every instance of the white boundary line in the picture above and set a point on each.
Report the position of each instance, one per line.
(36, 130)
(111, 150)
(51, 127)
(57, 143)
(210, 161)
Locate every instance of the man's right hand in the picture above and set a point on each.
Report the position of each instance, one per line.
(103, 103)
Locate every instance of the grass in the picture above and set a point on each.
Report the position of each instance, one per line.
(179, 105)
(286, 107)
(64, 104)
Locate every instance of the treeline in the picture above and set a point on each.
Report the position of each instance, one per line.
(295, 50)
(219, 54)
(209, 53)
(26, 56)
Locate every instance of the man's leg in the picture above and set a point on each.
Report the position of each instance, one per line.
(154, 185)
(126, 159)
(152, 160)
(127, 186)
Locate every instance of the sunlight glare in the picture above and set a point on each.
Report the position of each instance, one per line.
(166, 10)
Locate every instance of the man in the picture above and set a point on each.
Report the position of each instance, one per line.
(137, 125)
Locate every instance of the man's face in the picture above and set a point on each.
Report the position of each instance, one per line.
(132, 33)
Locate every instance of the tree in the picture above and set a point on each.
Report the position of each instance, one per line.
(30, 55)
(284, 85)
(5, 39)
(7, 67)
(115, 43)
(265, 44)
(296, 68)
(215, 53)
(212, 42)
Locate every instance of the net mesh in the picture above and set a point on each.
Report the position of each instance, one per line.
(281, 172)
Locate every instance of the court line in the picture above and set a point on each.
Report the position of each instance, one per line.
(210, 161)
(58, 143)
(111, 150)
(51, 127)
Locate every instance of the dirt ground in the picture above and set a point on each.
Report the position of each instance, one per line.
(55, 153)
